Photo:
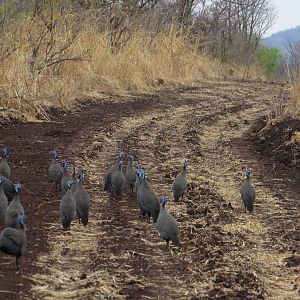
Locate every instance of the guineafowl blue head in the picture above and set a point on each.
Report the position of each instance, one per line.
(70, 183)
(131, 158)
(54, 154)
(4, 153)
(138, 167)
(64, 164)
(18, 188)
(185, 164)
(1, 179)
(22, 220)
(248, 173)
(80, 177)
(142, 175)
(121, 155)
(164, 201)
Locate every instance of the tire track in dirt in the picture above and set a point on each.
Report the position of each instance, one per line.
(120, 256)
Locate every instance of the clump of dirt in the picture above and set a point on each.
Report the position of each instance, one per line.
(279, 140)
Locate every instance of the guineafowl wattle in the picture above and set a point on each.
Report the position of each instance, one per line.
(248, 192)
(148, 201)
(9, 189)
(130, 174)
(180, 183)
(82, 200)
(118, 181)
(55, 170)
(65, 178)
(3, 201)
(13, 241)
(4, 166)
(14, 210)
(111, 170)
(167, 226)
(67, 207)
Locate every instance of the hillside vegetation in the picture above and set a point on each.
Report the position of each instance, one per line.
(53, 52)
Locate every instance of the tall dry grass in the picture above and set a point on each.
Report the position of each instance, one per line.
(44, 65)
(295, 93)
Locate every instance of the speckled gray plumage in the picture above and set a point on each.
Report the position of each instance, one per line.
(3, 203)
(4, 168)
(248, 194)
(55, 172)
(9, 189)
(118, 181)
(130, 175)
(148, 201)
(13, 242)
(111, 170)
(167, 227)
(64, 181)
(13, 211)
(179, 186)
(82, 200)
(67, 209)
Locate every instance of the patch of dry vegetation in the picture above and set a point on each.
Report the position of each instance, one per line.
(55, 68)
(55, 52)
(296, 97)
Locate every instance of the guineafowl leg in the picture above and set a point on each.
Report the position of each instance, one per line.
(168, 245)
(148, 218)
(17, 264)
(131, 190)
(245, 209)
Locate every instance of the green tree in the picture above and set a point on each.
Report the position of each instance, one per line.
(269, 59)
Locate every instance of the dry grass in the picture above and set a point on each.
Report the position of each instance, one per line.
(42, 67)
(144, 62)
(295, 93)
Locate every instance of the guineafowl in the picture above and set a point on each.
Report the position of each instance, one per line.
(3, 201)
(167, 225)
(82, 200)
(65, 178)
(118, 181)
(138, 184)
(13, 241)
(180, 183)
(130, 173)
(9, 189)
(248, 192)
(138, 180)
(55, 170)
(4, 166)
(14, 210)
(67, 207)
(74, 179)
(149, 204)
(111, 170)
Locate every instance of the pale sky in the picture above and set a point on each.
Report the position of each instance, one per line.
(288, 15)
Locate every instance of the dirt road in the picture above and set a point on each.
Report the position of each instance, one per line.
(225, 255)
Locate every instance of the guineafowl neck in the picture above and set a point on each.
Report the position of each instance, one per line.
(54, 161)
(17, 198)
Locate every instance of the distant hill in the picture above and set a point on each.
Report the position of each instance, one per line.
(279, 39)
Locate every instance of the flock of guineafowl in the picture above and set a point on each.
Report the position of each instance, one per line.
(76, 200)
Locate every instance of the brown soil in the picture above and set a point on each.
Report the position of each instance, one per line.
(225, 255)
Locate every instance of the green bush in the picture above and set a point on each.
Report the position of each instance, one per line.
(269, 59)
